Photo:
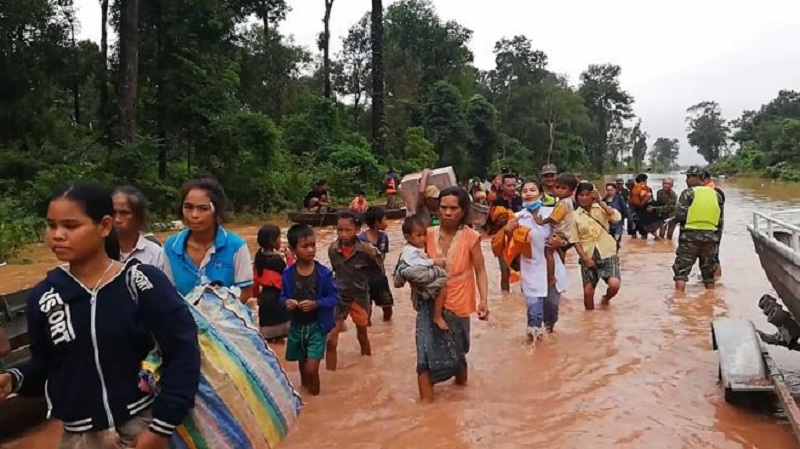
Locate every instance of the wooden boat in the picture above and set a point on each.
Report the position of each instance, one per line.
(18, 413)
(329, 218)
(777, 242)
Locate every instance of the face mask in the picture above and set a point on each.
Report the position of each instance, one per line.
(530, 207)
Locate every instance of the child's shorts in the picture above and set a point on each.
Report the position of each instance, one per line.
(305, 342)
(356, 311)
(379, 292)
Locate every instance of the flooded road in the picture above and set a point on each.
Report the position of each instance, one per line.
(638, 374)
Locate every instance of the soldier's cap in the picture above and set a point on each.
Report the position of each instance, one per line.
(694, 171)
(706, 174)
(550, 169)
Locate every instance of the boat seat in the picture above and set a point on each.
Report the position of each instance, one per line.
(13, 304)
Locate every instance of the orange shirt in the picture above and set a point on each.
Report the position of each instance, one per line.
(460, 289)
(359, 204)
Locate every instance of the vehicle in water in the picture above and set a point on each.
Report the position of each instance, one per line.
(745, 365)
(330, 216)
(18, 413)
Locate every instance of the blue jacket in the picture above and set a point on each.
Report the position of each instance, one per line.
(87, 349)
(221, 266)
(327, 294)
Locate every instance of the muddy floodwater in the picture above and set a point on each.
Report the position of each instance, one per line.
(640, 374)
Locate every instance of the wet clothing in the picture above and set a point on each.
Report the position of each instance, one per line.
(416, 268)
(354, 270)
(437, 352)
(460, 287)
(325, 293)
(273, 318)
(618, 203)
(700, 213)
(379, 292)
(604, 269)
(227, 262)
(305, 342)
(649, 221)
(87, 348)
(125, 434)
(667, 203)
(592, 230)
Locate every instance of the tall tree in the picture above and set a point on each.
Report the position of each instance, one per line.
(638, 146)
(352, 74)
(378, 81)
(517, 64)
(607, 104)
(664, 153)
(103, 78)
(708, 131)
(325, 47)
(129, 67)
(269, 12)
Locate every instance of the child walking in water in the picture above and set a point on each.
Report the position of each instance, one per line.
(414, 266)
(354, 263)
(562, 219)
(379, 291)
(268, 267)
(309, 293)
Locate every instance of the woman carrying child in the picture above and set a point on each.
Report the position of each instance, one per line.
(268, 267)
(460, 247)
(541, 297)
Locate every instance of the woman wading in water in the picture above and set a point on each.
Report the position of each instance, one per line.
(460, 247)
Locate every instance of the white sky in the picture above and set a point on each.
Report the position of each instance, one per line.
(673, 53)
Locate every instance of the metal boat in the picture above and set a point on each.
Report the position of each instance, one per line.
(777, 242)
(17, 413)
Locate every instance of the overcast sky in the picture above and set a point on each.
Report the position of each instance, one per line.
(673, 53)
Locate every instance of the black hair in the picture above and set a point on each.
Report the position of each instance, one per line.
(348, 215)
(297, 232)
(463, 201)
(137, 201)
(611, 184)
(268, 237)
(414, 221)
(321, 182)
(374, 215)
(567, 179)
(95, 201)
(535, 182)
(509, 175)
(213, 189)
(361, 193)
(583, 187)
(641, 178)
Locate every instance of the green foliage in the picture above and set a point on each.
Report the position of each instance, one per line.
(708, 131)
(419, 153)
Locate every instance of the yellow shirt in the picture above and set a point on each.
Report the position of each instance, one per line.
(591, 230)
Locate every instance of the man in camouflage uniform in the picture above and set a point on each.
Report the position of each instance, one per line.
(700, 215)
(667, 201)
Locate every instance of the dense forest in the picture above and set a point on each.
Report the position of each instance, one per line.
(765, 142)
(213, 86)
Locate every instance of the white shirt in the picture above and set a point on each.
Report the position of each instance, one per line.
(534, 271)
(146, 252)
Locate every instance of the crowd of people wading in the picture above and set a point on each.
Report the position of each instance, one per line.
(86, 307)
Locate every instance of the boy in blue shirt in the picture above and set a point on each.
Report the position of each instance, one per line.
(309, 292)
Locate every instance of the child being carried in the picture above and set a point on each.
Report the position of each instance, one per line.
(426, 276)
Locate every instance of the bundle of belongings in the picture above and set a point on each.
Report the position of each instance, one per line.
(519, 242)
(244, 399)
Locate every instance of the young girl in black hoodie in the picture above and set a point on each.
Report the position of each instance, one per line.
(91, 323)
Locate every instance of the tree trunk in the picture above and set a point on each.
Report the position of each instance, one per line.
(161, 105)
(76, 92)
(378, 82)
(129, 68)
(326, 45)
(552, 140)
(103, 78)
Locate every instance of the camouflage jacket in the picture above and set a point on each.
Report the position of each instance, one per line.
(694, 235)
(667, 203)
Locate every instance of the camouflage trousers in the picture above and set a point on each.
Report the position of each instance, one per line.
(689, 252)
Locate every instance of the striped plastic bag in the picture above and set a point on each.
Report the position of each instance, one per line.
(245, 399)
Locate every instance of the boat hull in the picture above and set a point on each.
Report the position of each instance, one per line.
(781, 264)
(330, 218)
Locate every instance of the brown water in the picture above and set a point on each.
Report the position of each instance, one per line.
(639, 374)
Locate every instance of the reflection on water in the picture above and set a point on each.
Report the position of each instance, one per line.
(638, 375)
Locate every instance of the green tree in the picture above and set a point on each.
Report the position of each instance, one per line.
(378, 80)
(481, 118)
(638, 139)
(445, 125)
(708, 131)
(353, 80)
(607, 105)
(664, 154)
(418, 152)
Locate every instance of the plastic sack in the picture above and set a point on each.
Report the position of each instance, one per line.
(245, 399)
